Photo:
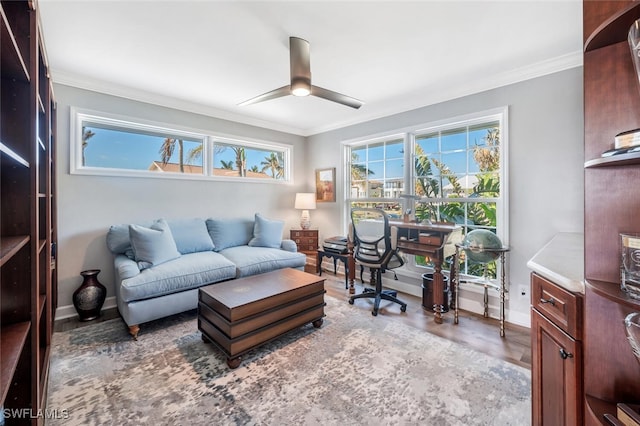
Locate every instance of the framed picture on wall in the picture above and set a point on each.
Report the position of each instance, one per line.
(326, 185)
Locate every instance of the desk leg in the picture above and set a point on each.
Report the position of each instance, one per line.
(351, 268)
(454, 277)
(438, 289)
(345, 260)
(502, 294)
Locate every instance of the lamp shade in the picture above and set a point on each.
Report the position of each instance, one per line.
(305, 201)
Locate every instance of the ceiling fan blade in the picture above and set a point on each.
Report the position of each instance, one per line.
(336, 97)
(277, 93)
(299, 60)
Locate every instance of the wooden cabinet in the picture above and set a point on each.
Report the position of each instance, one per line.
(306, 239)
(556, 334)
(612, 203)
(27, 215)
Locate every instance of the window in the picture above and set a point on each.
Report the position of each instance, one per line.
(452, 172)
(113, 146)
(377, 175)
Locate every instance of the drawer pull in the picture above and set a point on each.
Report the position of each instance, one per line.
(564, 354)
(550, 300)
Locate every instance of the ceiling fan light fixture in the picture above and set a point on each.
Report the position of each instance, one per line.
(300, 87)
(300, 71)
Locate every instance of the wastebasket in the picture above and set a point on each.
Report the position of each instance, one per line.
(427, 292)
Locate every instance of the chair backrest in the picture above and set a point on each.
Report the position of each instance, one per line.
(374, 244)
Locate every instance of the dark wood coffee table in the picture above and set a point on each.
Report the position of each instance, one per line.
(241, 314)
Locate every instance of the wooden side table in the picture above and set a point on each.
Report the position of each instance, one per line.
(307, 242)
(306, 239)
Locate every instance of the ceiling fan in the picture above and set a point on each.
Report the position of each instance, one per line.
(301, 80)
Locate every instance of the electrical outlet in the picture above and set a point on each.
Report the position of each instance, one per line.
(523, 290)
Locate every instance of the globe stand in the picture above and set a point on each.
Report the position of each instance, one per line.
(485, 282)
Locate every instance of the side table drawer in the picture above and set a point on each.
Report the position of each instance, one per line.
(562, 307)
(305, 239)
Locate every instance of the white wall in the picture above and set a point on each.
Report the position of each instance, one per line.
(88, 205)
(546, 191)
(545, 178)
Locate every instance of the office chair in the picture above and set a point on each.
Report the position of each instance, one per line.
(375, 247)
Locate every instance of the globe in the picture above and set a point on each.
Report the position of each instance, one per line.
(476, 242)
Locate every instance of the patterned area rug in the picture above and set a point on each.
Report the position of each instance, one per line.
(355, 370)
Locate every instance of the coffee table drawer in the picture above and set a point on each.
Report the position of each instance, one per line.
(247, 325)
(238, 345)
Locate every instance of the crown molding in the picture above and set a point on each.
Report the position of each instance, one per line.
(416, 101)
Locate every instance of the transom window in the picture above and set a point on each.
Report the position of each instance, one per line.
(114, 146)
(449, 172)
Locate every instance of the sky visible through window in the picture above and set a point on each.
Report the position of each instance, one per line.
(110, 148)
(454, 153)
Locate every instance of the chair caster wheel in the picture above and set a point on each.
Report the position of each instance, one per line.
(403, 308)
(374, 313)
(351, 301)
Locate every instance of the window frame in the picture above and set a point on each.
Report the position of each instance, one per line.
(209, 139)
(500, 115)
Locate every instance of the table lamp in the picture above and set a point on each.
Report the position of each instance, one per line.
(305, 201)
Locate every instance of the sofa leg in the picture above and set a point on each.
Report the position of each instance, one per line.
(133, 330)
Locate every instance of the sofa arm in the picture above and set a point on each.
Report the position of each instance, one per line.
(125, 267)
(289, 245)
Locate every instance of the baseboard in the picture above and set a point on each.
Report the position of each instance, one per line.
(69, 311)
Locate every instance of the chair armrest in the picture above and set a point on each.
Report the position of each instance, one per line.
(394, 237)
(289, 245)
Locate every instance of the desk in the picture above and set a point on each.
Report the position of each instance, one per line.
(435, 241)
(344, 257)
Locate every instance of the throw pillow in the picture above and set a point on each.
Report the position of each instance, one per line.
(153, 246)
(191, 235)
(230, 232)
(267, 233)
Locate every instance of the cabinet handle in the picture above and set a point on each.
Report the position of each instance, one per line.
(550, 300)
(564, 354)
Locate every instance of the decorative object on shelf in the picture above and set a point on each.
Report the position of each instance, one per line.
(630, 269)
(326, 185)
(627, 139)
(305, 201)
(634, 45)
(89, 297)
(632, 328)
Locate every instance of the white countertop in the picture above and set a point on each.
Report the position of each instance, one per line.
(562, 261)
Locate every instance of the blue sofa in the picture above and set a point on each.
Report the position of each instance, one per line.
(159, 266)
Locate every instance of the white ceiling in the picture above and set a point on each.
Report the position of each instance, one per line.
(208, 56)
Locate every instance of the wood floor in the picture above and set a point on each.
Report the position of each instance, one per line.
(482, 334)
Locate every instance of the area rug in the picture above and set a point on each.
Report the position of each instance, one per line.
(355, 370)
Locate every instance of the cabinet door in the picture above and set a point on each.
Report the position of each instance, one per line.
(556, 374)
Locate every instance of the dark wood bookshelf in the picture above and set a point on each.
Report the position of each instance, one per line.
(628, 159)
(13, 341)
(614, 293)
(612, 200)
(27, 218)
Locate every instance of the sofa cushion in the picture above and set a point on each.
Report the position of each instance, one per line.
(152, 246)
(118, 240)
(230, 232)
(258, 260)
(189, 271)
(190, 235)
(266, 232)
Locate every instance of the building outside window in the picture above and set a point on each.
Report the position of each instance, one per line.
(454, 172)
